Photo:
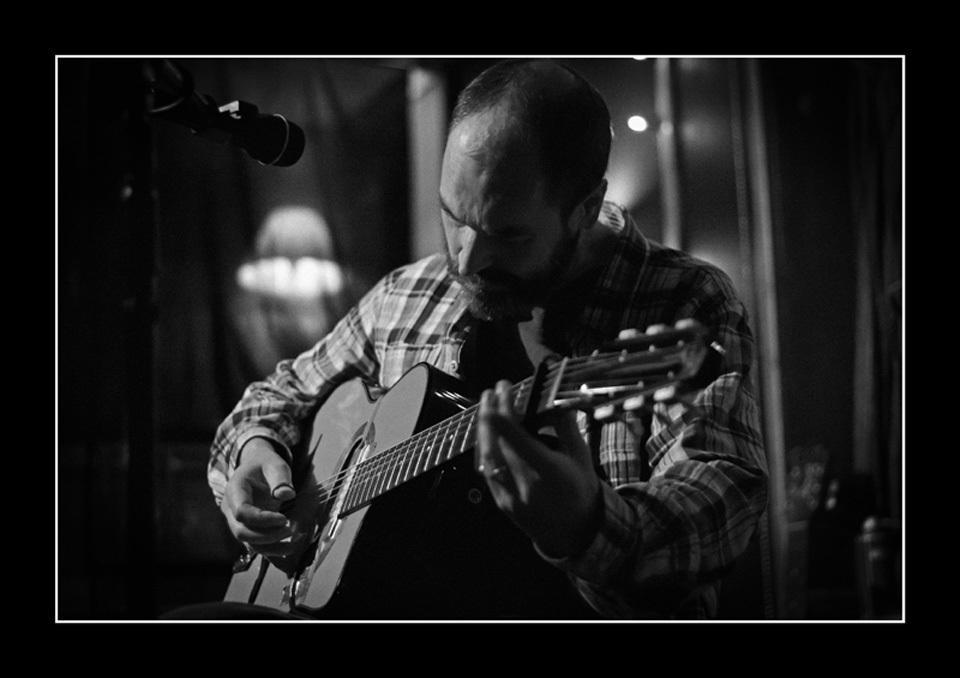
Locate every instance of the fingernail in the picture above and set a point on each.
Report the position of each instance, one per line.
(276, 490)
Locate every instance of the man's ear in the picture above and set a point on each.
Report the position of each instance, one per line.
(588, 211)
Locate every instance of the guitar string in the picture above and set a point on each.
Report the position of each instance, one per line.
(370, 470)
(398, 456)
(369, 474)
(375, 467)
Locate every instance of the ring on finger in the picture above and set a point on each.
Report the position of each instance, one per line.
(496, 472)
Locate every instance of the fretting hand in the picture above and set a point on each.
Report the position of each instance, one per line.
(551, 494)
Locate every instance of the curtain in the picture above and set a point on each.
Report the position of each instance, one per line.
(876, 171)
(213, 203)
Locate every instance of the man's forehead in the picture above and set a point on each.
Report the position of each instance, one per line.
(502, 168)
(491, 135)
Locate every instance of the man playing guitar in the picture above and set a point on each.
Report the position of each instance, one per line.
(638, 514)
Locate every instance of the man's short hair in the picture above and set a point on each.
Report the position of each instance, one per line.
(565, 117)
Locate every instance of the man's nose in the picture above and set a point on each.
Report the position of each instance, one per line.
(474, 252)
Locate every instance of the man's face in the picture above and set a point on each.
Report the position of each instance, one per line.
(505, 243)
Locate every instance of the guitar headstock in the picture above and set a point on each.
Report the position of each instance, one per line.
(634, 371)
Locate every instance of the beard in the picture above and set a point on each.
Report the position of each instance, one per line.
(496, 295)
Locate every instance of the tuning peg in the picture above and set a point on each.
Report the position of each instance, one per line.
(657, 328)
(664, 394)
(628, 334)
(686, 324)
(604, 412)
(634, 403)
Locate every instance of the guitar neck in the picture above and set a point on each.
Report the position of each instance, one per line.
(636, 369)
(420, 453)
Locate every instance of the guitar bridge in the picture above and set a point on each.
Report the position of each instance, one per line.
(292, 592)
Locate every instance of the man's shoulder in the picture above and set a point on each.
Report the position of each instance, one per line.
(647, 270)
(427, 272)
(646, 263)
(679, 267)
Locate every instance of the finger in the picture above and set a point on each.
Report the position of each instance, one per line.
(258, 537)
(572, 441)
(491, 465)
(505, 399)
(256, 518)
(279, 548)
(487, 457)
(279, 480)
(521, 451)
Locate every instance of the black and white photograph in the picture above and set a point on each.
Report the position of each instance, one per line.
(511, 338)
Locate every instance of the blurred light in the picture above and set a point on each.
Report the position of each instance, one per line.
(294, 231)
(281, 277)
(637, 123)
(293, 253)
(639, 58)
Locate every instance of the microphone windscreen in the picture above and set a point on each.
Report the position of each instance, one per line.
(294, 149)
(273, 140)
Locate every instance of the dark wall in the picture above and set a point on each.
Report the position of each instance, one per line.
(822, 164)
(808, 105)
(834, 143)
(210, 200)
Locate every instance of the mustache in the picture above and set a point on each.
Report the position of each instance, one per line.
(496, 278)
(486, 279)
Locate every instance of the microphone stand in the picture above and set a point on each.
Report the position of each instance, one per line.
(140, 316)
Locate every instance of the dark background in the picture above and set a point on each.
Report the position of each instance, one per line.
(833, 141)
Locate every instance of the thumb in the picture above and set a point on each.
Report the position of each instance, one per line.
(277, 475)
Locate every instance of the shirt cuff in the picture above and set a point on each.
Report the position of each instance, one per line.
(260, 432)
(608, 549)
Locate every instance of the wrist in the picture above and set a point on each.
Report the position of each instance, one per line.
(579, 539)
(257, 450)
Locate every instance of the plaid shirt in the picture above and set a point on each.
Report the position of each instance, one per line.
(674, 521)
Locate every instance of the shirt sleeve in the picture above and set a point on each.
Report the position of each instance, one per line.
(276, 407)
(664, 542)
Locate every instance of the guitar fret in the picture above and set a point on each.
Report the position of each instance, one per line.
(608, 377)
(386, 470)
(380, 476)
(407, 458)
(424, 454)
(373, 477)
(421, 452)
(445, 433)
(468, 434)
(360, 483)
(396, 457)
(409, 454)
(445, 453)
(415, 456)
(439, 443)
(349, 500)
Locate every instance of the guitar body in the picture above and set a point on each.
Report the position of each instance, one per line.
(436, 547)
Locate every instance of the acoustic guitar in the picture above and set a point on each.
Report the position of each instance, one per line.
(392, 521)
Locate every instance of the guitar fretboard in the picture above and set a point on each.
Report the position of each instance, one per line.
(638, 367)
(418, 454)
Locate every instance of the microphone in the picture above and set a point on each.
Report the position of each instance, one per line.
(270, 139)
